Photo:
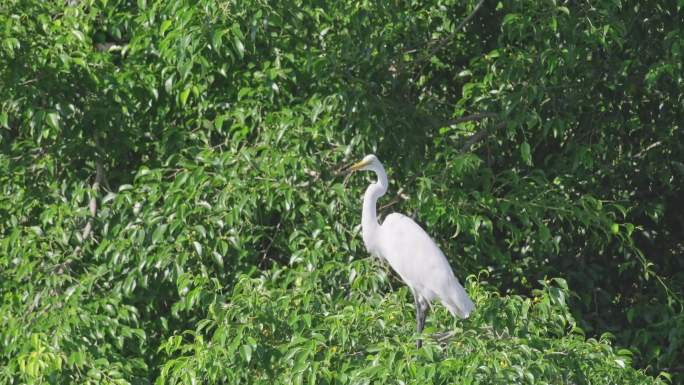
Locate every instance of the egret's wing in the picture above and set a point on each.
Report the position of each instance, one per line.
(421, 264)
(411, 252)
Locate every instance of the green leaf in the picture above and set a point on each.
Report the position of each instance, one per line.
(168, 84)
(239, 47)
(79, 35)
(557, 295)
(667, 375)
(218, 258)
(165, 26)
(300, 362)
(630, 229)
(246, 352)
(525, 153)
(216, 39)
(493, 54)
(159, 232)
(53, 120)
(562, 283)
(184, 96)
(615, 228)
(510, 18)
(198, 247)
(218, 122)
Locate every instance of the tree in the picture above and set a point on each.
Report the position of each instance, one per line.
(170, 208)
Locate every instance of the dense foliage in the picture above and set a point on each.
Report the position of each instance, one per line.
(171, 208)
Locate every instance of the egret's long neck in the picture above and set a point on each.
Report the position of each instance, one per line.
(369, 218)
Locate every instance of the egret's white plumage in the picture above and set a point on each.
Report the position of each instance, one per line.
(410, 252)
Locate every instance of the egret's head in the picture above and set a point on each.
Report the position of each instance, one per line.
(369, 162)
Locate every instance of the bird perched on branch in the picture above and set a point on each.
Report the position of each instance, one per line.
(410, 251)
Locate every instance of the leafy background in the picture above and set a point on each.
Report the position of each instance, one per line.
(172, 209)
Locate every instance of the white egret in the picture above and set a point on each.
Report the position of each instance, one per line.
(410, 251)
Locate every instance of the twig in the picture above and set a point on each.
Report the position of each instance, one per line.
(470, 118)
(391, 203)
(27, 82)
(645, 150)
(443, 337)
(478, 136)
(467, 19)
(61, 267)
(268, 248)
(436, 43)
(341, 169)
(34, 304)
(92, 205)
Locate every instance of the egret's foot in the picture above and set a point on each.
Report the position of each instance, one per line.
(443, 337)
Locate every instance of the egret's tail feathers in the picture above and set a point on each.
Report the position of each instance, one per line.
(458, 302)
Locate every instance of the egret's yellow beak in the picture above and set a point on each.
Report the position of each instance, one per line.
(358, 165)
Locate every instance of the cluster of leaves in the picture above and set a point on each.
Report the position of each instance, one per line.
(170, 210)
(301, 329)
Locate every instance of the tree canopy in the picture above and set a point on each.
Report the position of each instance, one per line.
(172, 208)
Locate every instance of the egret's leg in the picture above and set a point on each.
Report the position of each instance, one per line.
(421, 313)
